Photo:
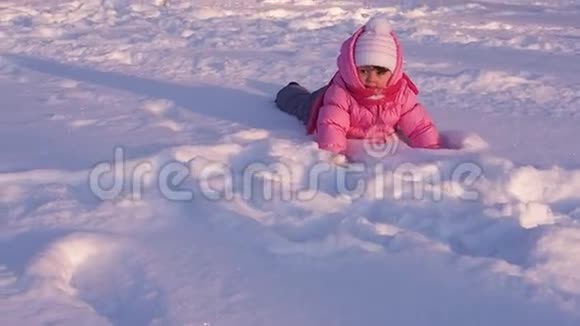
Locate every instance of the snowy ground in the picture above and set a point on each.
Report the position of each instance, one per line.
(182, 229)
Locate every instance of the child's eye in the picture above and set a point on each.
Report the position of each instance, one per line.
(381, 70)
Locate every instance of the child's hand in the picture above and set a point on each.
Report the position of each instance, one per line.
(339, 160)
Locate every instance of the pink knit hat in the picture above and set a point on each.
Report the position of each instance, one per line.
(376, 46)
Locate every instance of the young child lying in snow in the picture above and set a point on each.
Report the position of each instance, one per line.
(370, 97)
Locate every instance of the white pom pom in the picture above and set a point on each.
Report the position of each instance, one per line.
(379, 25)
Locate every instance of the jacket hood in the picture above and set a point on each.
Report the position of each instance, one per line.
(347, 69)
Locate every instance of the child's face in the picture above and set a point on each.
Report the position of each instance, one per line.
(374, 77)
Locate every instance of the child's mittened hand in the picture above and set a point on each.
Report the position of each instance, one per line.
(339, 160)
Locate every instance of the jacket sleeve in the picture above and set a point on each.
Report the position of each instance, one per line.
(416, 124)
(333, 121)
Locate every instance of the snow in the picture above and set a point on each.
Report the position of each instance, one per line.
(146, 177)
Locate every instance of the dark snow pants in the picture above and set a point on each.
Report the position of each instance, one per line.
(297, 100)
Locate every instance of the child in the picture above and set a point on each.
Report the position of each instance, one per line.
(370, 97)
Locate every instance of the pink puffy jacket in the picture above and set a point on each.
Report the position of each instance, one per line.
(347, 111)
